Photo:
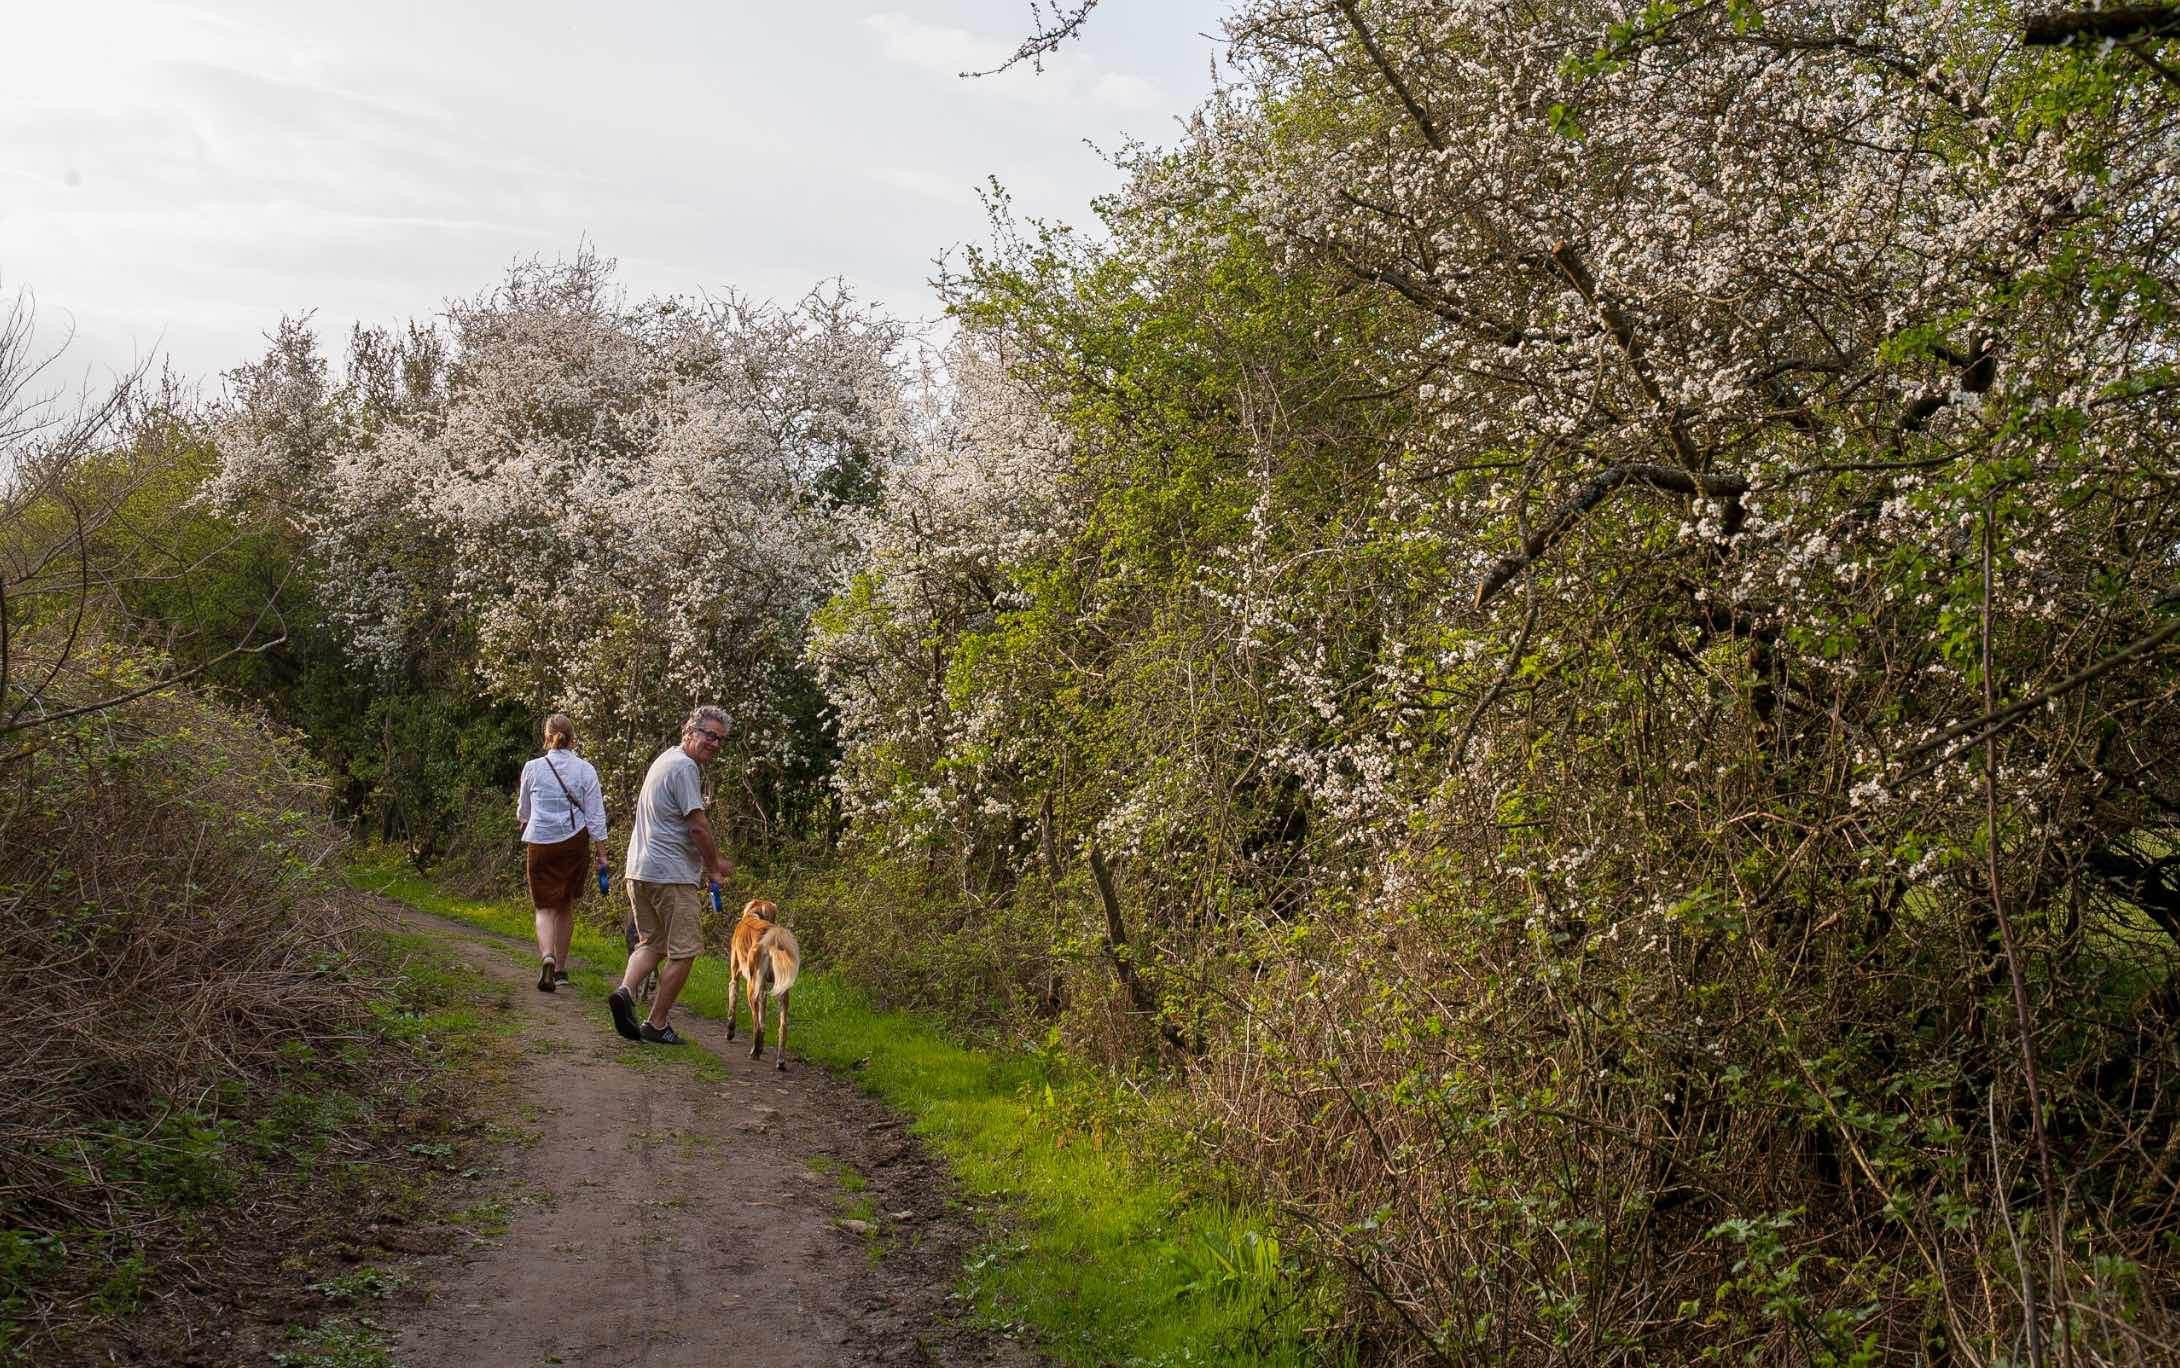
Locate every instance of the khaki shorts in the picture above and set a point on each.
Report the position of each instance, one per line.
(667, 916)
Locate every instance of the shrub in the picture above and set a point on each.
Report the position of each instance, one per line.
(168, 951)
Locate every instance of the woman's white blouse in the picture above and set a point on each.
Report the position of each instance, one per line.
(543, 809)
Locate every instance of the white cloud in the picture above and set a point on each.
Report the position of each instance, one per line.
(96, 54)
(1117, 90)
(182, 174)
(935, 47)
(215, 225)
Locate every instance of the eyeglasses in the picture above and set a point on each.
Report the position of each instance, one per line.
(717, 738)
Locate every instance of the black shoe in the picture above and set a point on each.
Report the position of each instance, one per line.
(623, 1008)
(661, 1035)
(560, 976)
(545, 976)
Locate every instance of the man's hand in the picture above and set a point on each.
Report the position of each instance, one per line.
(722, 871)
(598, 856)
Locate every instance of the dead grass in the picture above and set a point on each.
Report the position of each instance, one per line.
(209, 1067)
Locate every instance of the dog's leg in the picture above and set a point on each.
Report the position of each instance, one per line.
(756, 986)
(781, 1063)
(730, 997)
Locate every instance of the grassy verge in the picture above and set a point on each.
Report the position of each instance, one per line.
(449, 1032)
(1106, 1256)
(240, 1199)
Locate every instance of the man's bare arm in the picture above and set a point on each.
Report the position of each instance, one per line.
(700, 828)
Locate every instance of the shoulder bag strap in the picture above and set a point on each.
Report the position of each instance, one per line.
(575, 809)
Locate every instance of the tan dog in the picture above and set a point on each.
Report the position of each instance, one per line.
(766, 960)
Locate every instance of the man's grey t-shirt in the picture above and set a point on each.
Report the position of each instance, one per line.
(659, 847)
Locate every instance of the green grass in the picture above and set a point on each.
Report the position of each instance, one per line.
(342, 1342)
(1108, 1258)
(369, 1281)
(842, 1173)
(485, 1222)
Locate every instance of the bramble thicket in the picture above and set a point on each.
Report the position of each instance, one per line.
(1565, 622)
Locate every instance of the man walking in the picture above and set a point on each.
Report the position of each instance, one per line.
(670, 851)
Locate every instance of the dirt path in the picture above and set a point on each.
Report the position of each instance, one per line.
(687, 1211)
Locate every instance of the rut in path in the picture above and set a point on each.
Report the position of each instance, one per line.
(679, 1217)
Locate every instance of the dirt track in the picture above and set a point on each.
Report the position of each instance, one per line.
(676, 1213)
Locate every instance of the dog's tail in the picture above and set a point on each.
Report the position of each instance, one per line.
(779, 960)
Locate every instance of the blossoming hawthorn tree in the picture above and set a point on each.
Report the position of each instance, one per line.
(983, 493)
(610, 507)
(1722, 712)
(1054, 696)
(939, 786)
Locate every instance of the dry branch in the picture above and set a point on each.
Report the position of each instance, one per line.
(1593, 492)
(1117, 949)
(1056, 29)
(1385, 68)
(2132, 21)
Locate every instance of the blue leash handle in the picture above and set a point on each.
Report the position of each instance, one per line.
(601, 881)
(715, 900)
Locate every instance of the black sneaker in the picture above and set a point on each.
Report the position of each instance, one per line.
(560, 976)
(545, 976)
(661, 1035)
(623, 1008)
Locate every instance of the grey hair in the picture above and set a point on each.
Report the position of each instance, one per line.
(706, 712)
(559, 731)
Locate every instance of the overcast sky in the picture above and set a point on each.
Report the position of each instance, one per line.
(174, 177)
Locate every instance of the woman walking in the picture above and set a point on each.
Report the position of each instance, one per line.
(562, 809)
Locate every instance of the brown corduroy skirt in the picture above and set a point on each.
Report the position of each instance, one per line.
(556, 872)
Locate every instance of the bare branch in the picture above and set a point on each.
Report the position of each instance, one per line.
(1385, 68)
(2047, 1191)
(1116, 948)
(1983, 728)
(75, 623)
(1507, 668)
(2052, 30)
(45, 719)
(1622, 332)
(1436, 302)
(1593, 492)
(1058, 25)
(2141, 53)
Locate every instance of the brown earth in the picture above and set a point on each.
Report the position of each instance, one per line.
(686, 1206)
